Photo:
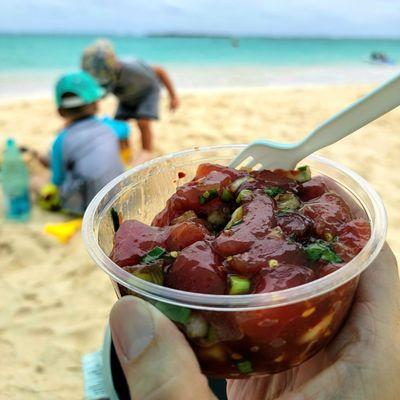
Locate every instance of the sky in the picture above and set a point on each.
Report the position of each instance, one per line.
(332, 18)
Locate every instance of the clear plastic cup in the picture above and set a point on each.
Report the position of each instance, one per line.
(242, 335)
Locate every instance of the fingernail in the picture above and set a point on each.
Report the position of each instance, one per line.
(132, 328)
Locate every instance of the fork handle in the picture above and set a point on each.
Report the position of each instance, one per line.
(368, 108)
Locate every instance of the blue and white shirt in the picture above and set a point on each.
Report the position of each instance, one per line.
(86, 156)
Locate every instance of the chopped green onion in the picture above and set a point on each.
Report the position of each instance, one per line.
(226, 196)
(244, 194)
(238, 285)
(245, 367)
(304, 174)
(174, 313)
(237, 216)
(154, 254)
(321, 250)
(208, 195)
(115, 219)
(273, 191)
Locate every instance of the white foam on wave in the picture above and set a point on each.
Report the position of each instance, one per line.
(39, 84)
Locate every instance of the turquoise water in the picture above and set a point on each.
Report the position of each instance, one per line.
(61, 52)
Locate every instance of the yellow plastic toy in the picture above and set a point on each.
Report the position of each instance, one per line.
(64, 231)
(126, 156)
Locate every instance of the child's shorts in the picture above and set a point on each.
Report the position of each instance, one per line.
(144, 107)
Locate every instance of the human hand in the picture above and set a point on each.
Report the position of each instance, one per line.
(24, 149)
(157, 361)
(362, 362)
(174, 103)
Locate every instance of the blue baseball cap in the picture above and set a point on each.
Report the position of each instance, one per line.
(83, 87)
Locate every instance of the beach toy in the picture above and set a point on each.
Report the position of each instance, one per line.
(126, 156)
(49, 198)
(265, 154)
(64, 231)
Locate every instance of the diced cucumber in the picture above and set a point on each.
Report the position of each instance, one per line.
(245, 367)
(287, 201)
(226, 196)
(238, 285)
(304, 174)
(154, 254)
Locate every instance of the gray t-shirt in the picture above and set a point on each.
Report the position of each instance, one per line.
(85, 157)
(135, 80)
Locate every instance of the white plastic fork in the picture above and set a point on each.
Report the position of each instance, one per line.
(265, 154)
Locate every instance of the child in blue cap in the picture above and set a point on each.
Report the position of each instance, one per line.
(85, 156)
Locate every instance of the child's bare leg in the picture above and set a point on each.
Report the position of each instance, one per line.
(142, 157)
(147, 134)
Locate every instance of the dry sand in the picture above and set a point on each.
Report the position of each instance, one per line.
(55, 303)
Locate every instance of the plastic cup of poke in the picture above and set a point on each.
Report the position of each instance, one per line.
(240, 335)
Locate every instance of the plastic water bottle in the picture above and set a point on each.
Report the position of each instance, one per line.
(15, 183)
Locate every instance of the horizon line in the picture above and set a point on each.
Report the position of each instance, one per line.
(172, 34)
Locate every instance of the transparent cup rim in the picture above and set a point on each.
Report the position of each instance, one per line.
(236, 302)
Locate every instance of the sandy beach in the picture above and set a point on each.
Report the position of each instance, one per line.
(55, 302)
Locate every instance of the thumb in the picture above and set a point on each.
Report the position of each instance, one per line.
(157, 360)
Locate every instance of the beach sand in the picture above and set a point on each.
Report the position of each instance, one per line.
(55, 302)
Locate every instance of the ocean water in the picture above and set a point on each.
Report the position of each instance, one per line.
(32, 62)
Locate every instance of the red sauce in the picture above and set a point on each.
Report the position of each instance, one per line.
(270, 232)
